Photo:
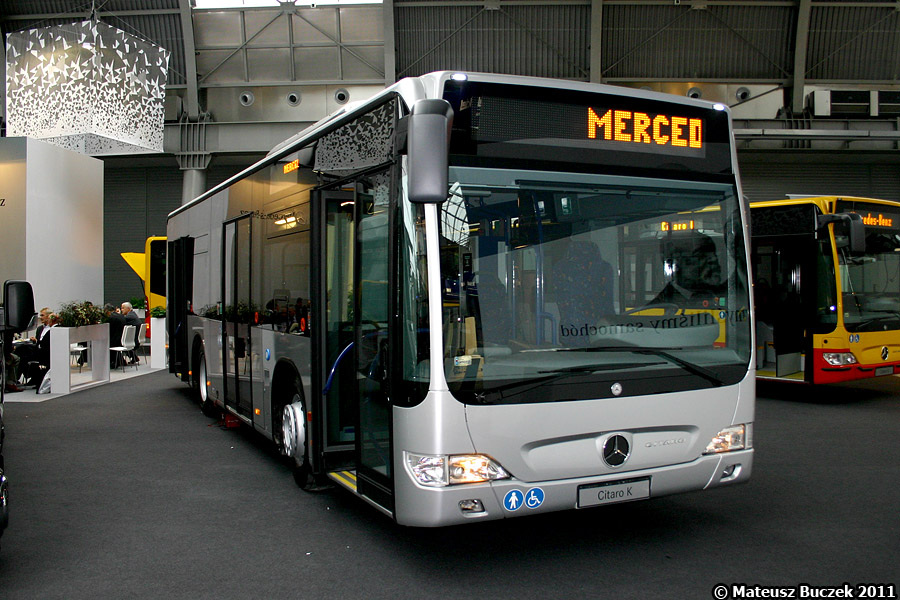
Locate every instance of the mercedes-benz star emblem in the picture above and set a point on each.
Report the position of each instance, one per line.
(616, 451)
(884, 353)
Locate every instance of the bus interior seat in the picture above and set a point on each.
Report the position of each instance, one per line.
(577, 278)
(496, 324)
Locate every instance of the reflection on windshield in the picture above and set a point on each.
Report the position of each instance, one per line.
(871, 283)
(533, 266)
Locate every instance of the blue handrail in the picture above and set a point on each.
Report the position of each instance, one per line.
(334, 367)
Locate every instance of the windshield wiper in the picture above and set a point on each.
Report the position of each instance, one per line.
(688, 366)
(518, 386)
(600, 367)
(867, 322)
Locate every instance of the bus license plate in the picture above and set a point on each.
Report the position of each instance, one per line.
(879, 371)
(613, 492)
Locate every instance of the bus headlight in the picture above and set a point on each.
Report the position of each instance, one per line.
(839, 359)
(736, 437)
(443, 470)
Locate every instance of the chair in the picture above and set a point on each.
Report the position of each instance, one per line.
(142, 338)
(127, 345)
(76, 353)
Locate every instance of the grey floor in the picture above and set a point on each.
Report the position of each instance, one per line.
(128, 491)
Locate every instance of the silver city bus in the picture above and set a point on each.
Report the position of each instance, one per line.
(479, 296)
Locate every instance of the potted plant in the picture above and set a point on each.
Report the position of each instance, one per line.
(79, 322)
(138, 305)
(79, 314)
(211, 311)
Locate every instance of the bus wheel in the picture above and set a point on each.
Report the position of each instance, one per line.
(206, 403)
(294, 438)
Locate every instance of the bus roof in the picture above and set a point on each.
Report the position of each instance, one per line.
(826, 204)
(430, 85)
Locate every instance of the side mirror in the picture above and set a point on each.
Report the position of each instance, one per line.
(18, 304)
(856, 229)
(427, 150)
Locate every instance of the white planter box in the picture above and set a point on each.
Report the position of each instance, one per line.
(158, 351)
(60, 340)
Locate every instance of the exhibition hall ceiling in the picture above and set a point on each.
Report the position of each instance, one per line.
(751, 41)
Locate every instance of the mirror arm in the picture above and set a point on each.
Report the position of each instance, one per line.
(855, 227)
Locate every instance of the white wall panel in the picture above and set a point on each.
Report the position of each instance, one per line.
(12, 208)
(64, 225)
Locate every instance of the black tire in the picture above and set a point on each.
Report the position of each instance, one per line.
(194, 374)
(201, 377)
(293, 394)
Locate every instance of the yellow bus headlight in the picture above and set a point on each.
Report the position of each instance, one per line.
(839, 359)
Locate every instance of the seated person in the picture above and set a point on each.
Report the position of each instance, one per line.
(25, 350)
(12, 364)
(116, 321)
(300, 318)
(132, 318)
(37, 367)
(693, 272)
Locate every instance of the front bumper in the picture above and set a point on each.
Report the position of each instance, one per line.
(433, 507)
(827, 373)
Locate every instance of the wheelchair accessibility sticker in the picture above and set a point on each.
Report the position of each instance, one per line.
(532, 498)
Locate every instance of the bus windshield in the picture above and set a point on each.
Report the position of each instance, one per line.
(605, 278)
(870, 282)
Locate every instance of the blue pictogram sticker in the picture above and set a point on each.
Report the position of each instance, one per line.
(268, 354)
(513, 500)
(534, 497)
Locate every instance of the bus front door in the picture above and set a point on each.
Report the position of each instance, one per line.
(238, 314)
(181, 278)
(781, 279)
(354, 276)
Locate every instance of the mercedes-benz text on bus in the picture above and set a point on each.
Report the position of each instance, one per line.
(478, 296)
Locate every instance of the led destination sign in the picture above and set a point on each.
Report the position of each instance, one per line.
(677, 226)
(291, 166)
(499, 122)
(874, 216)
(641, 128)
(877, 221)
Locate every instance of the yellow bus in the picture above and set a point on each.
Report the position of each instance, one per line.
(827, 288)
(151, 268)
